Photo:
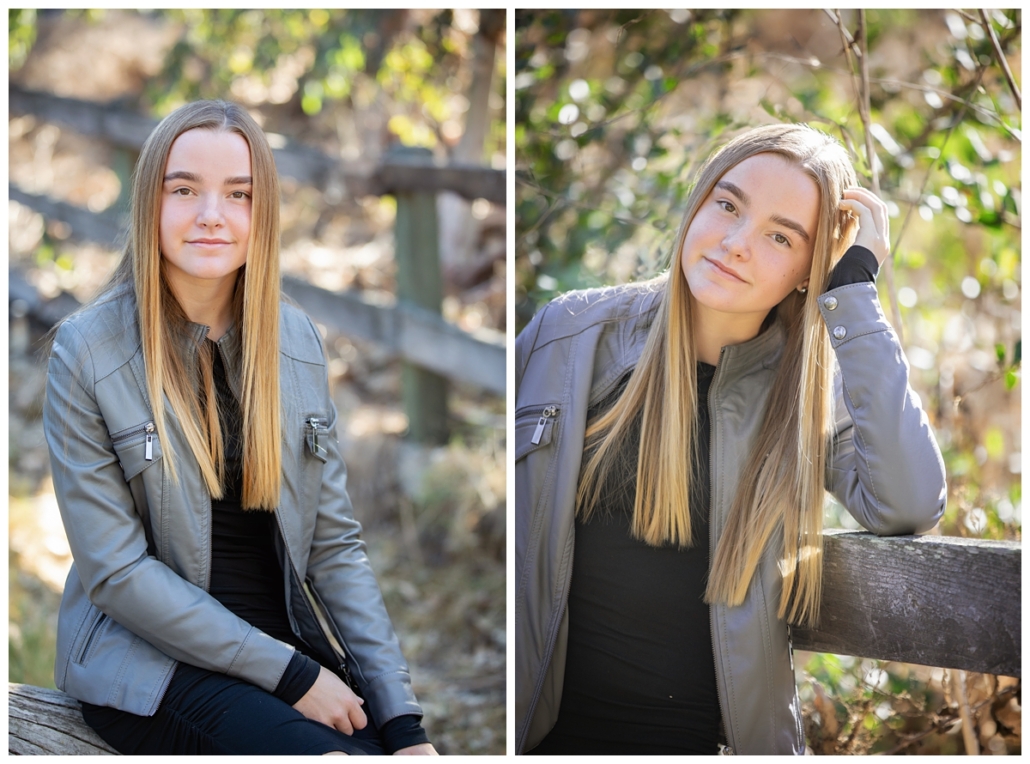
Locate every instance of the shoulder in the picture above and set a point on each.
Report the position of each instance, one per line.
(299, 338)
(582, 310)
(105, 330)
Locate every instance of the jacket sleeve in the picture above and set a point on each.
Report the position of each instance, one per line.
(109, 543)
(524, 345)
(885, 466)
(343, 580)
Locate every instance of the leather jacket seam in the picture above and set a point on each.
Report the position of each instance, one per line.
(239, 652)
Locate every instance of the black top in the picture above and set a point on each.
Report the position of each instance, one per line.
(246, 576)
(639, 672)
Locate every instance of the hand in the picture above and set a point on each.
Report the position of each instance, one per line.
(333, 703)
(873, 223)
(422, 749)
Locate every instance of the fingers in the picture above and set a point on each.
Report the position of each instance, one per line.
(873, 220)
(347, 716)
(357, 717)
(333, 703)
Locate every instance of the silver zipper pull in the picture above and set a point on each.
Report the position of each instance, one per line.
(314, 434)
(149, 453)
(546, 414)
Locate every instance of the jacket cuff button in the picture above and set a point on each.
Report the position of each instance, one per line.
(830, 303)
(840, 332)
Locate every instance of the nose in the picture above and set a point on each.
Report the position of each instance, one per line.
(737, 241)
(210, 214)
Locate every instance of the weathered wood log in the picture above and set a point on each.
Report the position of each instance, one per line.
(42, 721)
(302, 163)
(934, 600)
(414, 334)
(105, 228)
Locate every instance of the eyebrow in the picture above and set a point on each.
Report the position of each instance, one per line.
(779, 219)
(238, 180)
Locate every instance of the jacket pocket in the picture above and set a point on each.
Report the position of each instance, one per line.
(534, 428)
(94, 625)
(316, 434)
(137, 448)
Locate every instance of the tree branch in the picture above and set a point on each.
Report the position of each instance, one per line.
(986, 23)
(864, 113)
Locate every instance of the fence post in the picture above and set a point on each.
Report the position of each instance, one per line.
(419, 283)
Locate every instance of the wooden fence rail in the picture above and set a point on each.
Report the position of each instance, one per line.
(304, 164)
(935, 600)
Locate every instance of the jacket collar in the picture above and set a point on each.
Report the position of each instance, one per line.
(190, 338)
(758, 353)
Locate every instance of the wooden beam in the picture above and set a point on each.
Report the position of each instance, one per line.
(304, 164)
(934, 600)
(42, 721)
(415, 334)
(106, 228)
(419, 284)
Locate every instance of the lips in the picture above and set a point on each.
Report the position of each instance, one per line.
(726, 271)
(207, 242)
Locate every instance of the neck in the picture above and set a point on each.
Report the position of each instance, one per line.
(714, 330)
(206, 301)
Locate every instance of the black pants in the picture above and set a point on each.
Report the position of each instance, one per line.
(207, 713)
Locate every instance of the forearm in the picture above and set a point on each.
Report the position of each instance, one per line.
(886, 467)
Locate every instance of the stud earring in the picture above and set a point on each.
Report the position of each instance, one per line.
(803, 290)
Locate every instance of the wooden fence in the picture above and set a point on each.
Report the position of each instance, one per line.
(432, 349)
(934, 600)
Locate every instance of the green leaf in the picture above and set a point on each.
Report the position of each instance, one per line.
(1018, 355)
(1011, 377)
(999, 350)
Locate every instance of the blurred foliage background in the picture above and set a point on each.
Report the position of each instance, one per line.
(349, 83)
(614, 110)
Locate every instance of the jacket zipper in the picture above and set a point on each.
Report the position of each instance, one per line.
(348, 677)
(712, 517)
(313, 445)
(148, 430)
(93, 629)
(548, 413)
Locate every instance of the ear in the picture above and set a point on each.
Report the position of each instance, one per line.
(803, 286)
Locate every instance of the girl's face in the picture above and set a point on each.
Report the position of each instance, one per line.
(205, 208)
(751, 241)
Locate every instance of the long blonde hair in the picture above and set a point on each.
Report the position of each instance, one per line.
(255, 306)
(783, 481)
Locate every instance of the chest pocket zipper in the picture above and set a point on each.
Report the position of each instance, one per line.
(547, 414)
(317, 431)
(534, 430)
(146, 429)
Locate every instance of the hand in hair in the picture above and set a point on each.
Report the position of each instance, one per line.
(333, 703)
(873, 223)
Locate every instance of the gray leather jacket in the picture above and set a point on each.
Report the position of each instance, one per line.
(136, 599)
(886, 469)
